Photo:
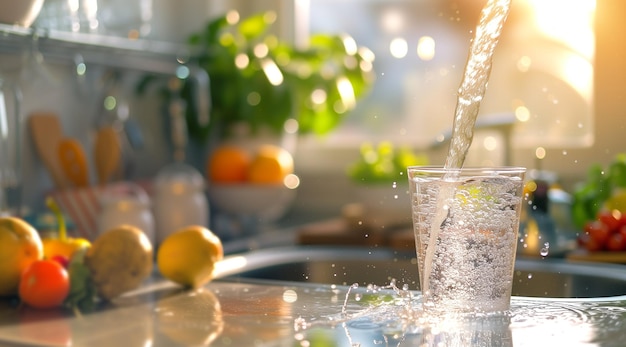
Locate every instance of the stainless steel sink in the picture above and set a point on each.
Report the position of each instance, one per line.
(552, 278)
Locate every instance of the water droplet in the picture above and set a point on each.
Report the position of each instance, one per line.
(395, 196)
(545, 250)
(358, 296)
(530, 276)
(299, 324)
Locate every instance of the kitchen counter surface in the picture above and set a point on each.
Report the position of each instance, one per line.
(228, 313)
(163, 314)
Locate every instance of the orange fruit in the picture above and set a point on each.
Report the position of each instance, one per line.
(270, 165)
(20, 245)
(228, 164)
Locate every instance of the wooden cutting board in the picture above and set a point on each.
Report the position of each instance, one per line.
(341, 231)
(604, 257)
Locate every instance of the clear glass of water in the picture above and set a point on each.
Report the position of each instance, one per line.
(466, 223)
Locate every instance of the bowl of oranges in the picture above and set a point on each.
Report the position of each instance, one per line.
(257, 181)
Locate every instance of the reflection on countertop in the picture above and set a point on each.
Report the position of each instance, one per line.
(226, 313)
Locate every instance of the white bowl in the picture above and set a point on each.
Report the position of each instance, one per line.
(19, 12)
(268, 202)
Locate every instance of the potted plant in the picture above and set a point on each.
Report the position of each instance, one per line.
(262, 81)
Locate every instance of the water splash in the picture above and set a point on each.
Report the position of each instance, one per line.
(390, 316)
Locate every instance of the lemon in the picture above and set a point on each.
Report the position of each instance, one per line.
(188, 256)
(20, 245)
(270, 165)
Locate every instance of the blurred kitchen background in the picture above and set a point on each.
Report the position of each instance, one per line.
(555, 101)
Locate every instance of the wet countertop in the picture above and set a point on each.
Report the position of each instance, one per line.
(256, 313)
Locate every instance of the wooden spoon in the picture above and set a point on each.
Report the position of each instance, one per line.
(73, 161)
(45, 131)
(107, 154)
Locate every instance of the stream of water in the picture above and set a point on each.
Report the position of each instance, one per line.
(470, 94)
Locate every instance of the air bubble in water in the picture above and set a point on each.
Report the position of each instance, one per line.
(545, 250)
(530, 276)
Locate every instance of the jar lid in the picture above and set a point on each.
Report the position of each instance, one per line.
(125, 195)
(179, 179)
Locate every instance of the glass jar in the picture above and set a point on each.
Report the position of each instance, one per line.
(129, 206)
(179, 200)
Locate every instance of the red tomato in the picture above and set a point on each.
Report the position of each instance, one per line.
(589, 243)
(598, 231)
(608, 219)
(616, 242)
(44, 284)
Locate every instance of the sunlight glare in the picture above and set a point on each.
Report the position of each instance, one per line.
(273, 73)
(398, 47)
(567, 21)
(426, 48)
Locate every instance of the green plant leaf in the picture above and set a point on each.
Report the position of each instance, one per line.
(255, 25)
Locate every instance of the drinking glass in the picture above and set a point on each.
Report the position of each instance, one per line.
(466, 223)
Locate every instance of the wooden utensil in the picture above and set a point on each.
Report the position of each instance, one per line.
(45, 131)
(73, 161)
(107, 154)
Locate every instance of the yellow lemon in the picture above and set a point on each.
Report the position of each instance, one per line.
(20, 245)
(270, 165)
(188, 256)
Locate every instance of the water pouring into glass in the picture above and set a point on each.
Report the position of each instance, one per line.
(466, 219)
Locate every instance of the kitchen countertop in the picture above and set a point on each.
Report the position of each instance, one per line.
(255, 313)
(235, 312)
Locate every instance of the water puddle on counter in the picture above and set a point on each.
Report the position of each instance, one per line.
(389, 316)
